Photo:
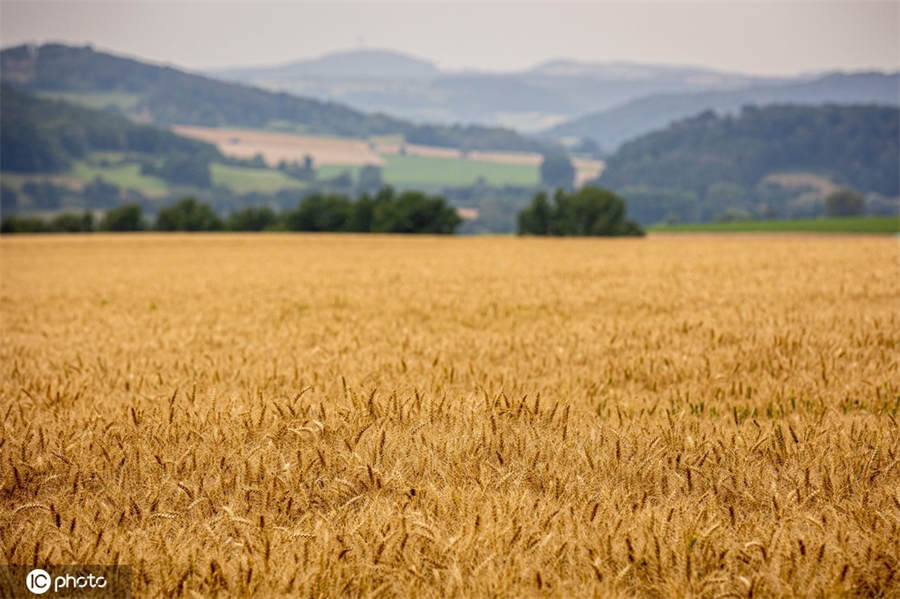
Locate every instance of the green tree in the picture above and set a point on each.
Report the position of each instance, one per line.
(23, 224)
(588, 211)
(363, 213)
(253, 218)
(71, 222)
(127, 217)
(413, 212)
(557, 170)
(319, 212)
(188, 215)
(845, 202)
(537, 217)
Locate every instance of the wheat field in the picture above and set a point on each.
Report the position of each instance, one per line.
(366, 416)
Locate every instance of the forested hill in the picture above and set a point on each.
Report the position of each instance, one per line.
(709, 163)
(168, 96)
(41, 135)
(611, 127)
(855, 145)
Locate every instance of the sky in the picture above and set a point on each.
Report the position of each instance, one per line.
(762, 37)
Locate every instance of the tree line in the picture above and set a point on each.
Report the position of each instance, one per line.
(590, 211)
(384, 212)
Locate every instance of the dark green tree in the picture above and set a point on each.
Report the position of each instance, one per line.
(253, 218)
(589, 211)
(413, 212)
(537, 217)
(188, 215)
(72, 222)
(363, 212)
(23, 224)
(845, 202)
(319, 212)
(126, 217)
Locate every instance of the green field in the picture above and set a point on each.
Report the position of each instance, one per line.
(328, 171)
(426, 172)
(125, 175)
(241, 179)
(429, 171)
(856, 224)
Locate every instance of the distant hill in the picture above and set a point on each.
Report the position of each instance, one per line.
(611, 127)
(530, 100)
(38, 135)
(661, 75)
(709, 165)
(166, 96)
(364, 64)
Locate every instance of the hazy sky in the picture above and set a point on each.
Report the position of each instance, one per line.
(757, 37)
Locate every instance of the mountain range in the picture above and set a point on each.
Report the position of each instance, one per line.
(609, 102)
(363, 93)
(166, 96)
(613, 126)
(529, 100)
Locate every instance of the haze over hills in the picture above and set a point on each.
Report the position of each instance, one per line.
(248, 167)
(400, 84)
(364, 64)
(611, 127)
(165, 96)
(607, 101)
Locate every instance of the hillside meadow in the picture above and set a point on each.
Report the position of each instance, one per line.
(376, 416)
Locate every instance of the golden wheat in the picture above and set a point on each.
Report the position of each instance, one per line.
(343, 416)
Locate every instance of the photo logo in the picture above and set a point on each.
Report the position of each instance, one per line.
(38, 581)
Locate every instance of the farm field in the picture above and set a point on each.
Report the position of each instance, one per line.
(853, 224)
(404, 164)
(275, 147)
(364, 416)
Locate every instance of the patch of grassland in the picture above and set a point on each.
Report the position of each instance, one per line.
(95, 158)
(328, 171)
(856, 224)
(241, 179)
(125, 175)
(430, 171)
